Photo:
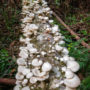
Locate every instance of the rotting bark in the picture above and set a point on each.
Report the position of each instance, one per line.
(71, 31)
(7, 81)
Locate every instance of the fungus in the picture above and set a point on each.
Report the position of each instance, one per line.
(42, 56)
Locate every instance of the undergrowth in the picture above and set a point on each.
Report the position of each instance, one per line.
(80, 53)
(8, 63)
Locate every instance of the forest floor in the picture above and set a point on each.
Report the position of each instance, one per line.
(9, 42)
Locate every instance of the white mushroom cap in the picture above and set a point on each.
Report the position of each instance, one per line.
(56, 83)
(26, 19)
(71, 58)
(65, 51)
(61, 42)
(73, 65)
(43, 53)
(19, 76)
(21, 68)
(18, 82)
(58, 47)
(50, 21)
(24, 82)
(43, 78)
(36, 62)
(17, 87)
(46, 67)
(25, 71)
(21, 61)
(69, 74)
(29, 75)
(55, 29)
(64, 69)
(68, 88)
(33, 80)
(33, 50)
(66, 58)
(56, 38)
(72, 83)
(25, 88)
(37, 73)
(23, 54)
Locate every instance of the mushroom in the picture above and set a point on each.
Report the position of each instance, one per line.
(65, 51)
(43, 78)
(21, 61)
(23, 54)
(73, 65)
(71, 58)
(43, 53)
(61, 42)
(26, 71)
(68, 88)
(24, 82)
(69, 74)
(33, 80)
(46, 67)
(58, 47)
(66, 58)
(36, 62)
(29, 75)
(21, 68)
(19, 76)
(37, 73)
(56, 83)
(33, 50)
(72, 83)
(17, 87)
(55, 29)
(25, 88)
(64, 69)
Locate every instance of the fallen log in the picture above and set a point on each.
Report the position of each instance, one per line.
(71, 31)
(7, 81)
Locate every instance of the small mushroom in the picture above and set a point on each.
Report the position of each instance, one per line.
(24, 82)
(29, 75)
(21, 68)
(55, 29)
(73, 65)
(26, 71)
(58, 47)
(37, 73)
(69, 74)
(72, 83)
(21, 61)
(43, 78)
(25, 88)
(46, 67)
(17, 87)
(36, 62)
(23, 54)
(66, 58)
(33, 80)
(68, 88)
(65, 51)
(61, 42)
(19, 76)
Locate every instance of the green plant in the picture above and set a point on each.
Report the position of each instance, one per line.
(6, 63)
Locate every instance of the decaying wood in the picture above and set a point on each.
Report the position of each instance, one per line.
(7, 81)
(71, 31)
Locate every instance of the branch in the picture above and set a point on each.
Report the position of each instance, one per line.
(71, 31)
(7, 81)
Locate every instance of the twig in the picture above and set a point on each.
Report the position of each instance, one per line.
(71, 31)
(7, 81)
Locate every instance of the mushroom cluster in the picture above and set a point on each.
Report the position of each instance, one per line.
(43, 62)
